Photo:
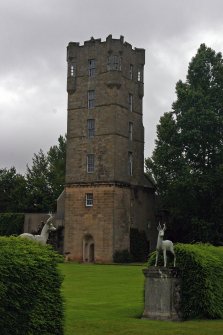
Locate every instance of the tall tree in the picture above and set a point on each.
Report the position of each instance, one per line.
(12, 191)
(57, 165)
(38, 187)
(45, 178)
(187, 162)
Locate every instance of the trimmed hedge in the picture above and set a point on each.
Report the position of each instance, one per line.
(11, 223)
(30, 298)
(201, 270)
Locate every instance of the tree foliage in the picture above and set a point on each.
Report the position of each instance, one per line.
(57, 165)
(38, 188)
(12, 191)
(46, 177)
(187, 162)
(11, 224)
(41, 185)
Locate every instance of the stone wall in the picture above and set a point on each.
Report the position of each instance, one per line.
(162, 294)
(111, 112)
(32, 222)
(121, 200)
(115, 210)
(81, 221)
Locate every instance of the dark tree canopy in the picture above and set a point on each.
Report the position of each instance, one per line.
(46, 177)
(187, 162)
(42, 184)
(12, 191)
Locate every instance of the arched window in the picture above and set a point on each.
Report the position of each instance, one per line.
(71, 70)
(140, 74)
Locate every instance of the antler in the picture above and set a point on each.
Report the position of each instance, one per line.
(159, 227)
(50, 217)
(164, 226)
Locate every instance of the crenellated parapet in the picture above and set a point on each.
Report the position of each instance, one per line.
(116, 57)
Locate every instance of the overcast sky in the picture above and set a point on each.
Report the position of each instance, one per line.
(33, 39)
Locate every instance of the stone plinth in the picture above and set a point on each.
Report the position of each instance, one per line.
(162, 294)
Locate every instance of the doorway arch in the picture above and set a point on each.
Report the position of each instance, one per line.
(88, 249)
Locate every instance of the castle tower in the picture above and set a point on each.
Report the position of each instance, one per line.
(107, 197)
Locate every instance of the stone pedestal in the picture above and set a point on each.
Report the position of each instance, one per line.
(162, 294)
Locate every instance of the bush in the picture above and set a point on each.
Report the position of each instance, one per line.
(201, 270)
(122, 256)
(30, 299)
(11, 223)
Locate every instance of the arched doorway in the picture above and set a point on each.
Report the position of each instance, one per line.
(88, 249)
(91, 252)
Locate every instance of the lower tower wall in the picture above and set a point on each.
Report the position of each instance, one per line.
(94, 233)
(90, 232)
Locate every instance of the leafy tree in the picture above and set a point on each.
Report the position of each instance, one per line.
(45, 178)
(43, 182)
(40, 195)
(12, 191)
(57, 165)
(187, 162)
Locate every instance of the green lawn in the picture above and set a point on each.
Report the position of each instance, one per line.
(108, 300)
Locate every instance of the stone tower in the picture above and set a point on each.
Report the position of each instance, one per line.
(106, 194)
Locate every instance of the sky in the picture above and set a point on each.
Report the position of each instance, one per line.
(34, 35)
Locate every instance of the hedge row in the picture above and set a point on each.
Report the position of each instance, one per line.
(11, 223)
(30, 298)
(201, 270)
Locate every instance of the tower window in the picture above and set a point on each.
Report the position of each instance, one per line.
(130, 130)
(89, 199)
(140, 74)
(91, 67)
(90, 163)
(131, 71)
(90, 128)
(91, 99)
(72, 70)
(130, 102)
(130, 163)
(114, 63)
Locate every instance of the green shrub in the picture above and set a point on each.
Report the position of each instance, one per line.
(201, 270)
(122, 256)
(30, 298)
(11, 224)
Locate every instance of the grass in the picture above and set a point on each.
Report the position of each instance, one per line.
(108, 300)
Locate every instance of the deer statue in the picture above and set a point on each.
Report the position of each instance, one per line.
(163, 245)
(43, 237)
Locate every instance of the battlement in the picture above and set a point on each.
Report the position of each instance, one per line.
(109, 41)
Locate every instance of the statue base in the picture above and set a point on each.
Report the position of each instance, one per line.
(162, 294)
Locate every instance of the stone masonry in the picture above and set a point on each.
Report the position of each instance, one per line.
(106, 192)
